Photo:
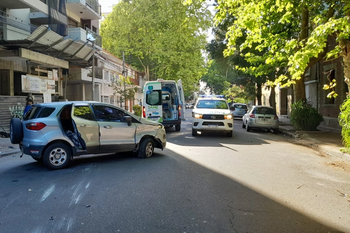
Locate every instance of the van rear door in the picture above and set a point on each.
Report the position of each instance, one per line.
(182, 99)
(152, 101)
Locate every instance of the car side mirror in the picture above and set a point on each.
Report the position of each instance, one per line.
(127, 119)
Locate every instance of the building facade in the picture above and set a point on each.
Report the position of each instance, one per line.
(51, 50)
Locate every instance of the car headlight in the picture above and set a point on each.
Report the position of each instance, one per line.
(228, 117)
(198, 116)
(161, 126)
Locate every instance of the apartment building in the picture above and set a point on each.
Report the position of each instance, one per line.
(51, 50)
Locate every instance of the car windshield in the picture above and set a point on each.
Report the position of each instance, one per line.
(212, 104)
(262, 110)
(240, 106)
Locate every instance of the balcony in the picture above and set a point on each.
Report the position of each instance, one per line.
(82, 75)
(85, 9)
(79, 34)
(14, 28)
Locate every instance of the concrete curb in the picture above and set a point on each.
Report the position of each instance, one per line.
(7, 153)
(305, 138)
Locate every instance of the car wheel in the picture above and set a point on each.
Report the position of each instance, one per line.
(229, 134)
(247, 127)
(243, 125)
(194, 132)
(16, 130)
(274, 131)
(178, 127)
(57, 156)
(146, 148)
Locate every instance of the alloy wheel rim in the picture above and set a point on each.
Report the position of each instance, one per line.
(149, 149)
(58, 157)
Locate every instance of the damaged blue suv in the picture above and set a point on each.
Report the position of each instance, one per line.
(56, 133)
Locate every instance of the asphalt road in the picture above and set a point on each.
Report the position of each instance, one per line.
(252, 182)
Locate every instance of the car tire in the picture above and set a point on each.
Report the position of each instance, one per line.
(194, 132)
(178, 127)
(57, 156)
(229, 134)
(16, 130)
(274, 131)
(146, 148)
(247, 127)
(243, 125)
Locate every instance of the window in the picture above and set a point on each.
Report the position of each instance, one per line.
(83, 112)
(263, 110)
(107, 113)
(38, 112)
(154, 97)
(212, 104)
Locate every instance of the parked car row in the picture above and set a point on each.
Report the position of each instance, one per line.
(56, 133)
(211, 113)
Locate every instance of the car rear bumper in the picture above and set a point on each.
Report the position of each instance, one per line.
(274, 125)
(171, 122)
(34, 151)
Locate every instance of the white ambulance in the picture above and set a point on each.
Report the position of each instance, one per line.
(164, 102)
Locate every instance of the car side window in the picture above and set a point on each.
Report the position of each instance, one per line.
(106, 113)
(83, 112)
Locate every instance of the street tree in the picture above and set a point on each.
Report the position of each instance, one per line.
(125, 88)
(162, 38)
(293, 35)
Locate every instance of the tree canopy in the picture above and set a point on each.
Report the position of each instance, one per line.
(162, 38)
(287, 36)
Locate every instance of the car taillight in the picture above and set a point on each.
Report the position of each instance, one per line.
(179, 111)
(35, 126)
(252, 115)
(144, 112)
(276, 117)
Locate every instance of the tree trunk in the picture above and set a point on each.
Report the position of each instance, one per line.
(346, 64)
(258, 93)
(272, 98)
(299, 90)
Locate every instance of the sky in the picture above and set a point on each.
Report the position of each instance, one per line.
(106, 5)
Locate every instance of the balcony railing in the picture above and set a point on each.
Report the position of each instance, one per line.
(15, 22)
(94, 5)
(98, 38)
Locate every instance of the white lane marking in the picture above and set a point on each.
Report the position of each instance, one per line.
(76, 195)
(47, 193)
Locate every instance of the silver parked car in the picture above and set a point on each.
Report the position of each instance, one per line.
(262, 117)
(57, 132)
(238, 109)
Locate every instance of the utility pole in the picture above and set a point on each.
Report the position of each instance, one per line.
(93, 72)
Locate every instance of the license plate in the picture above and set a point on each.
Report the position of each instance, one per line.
(212, 126)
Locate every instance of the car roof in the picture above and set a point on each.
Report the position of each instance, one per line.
(63, 103)
(262, 106)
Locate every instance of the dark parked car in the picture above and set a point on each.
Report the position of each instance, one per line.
(57, 132)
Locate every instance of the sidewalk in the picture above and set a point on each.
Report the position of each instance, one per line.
(7, 148)
(325, 140)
